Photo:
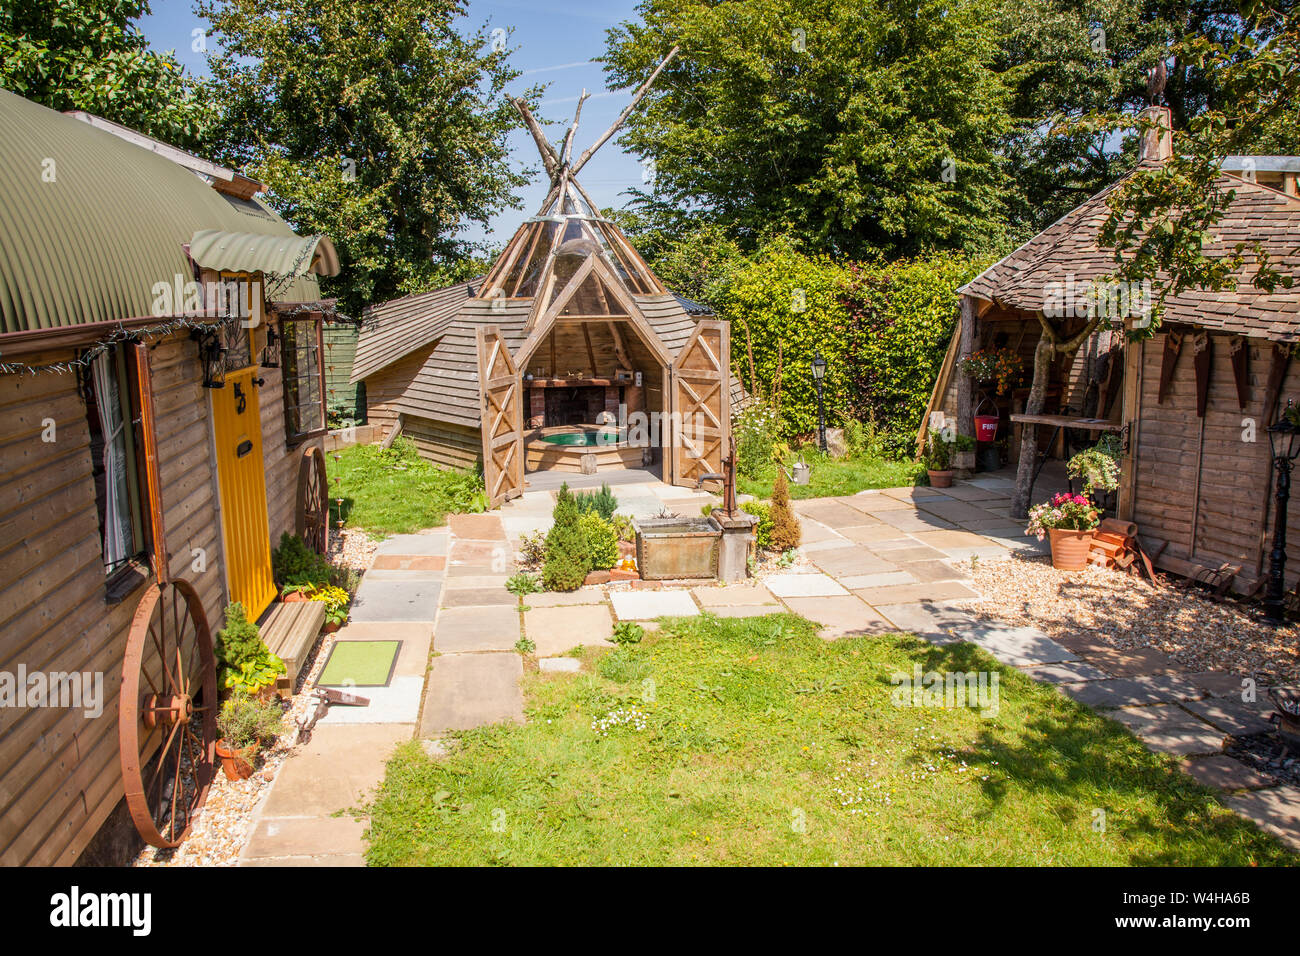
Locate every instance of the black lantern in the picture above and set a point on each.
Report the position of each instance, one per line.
(819, 372)
(213, 356)
(271, 351)
(1284, 446)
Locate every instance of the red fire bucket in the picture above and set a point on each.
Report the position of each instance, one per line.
(986, 427)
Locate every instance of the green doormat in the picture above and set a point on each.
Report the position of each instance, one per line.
(360, 664)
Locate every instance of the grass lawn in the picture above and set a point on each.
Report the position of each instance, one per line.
(753, 741)
(395, 491)
(831, 477)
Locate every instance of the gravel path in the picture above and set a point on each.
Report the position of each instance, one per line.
(1128, 613)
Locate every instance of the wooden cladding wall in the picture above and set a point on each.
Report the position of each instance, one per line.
(59, 773)
(1198, 485)
(452, 446)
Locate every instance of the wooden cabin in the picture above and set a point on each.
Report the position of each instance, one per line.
(553, 360)
(160, 404)
(1191, 403)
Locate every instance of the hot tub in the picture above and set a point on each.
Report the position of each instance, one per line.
(586, 437)
(582, 449)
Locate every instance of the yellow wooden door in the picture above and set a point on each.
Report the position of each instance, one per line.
(241, 477)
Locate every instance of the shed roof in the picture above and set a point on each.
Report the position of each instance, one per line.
(1068, 248)
(90, 222)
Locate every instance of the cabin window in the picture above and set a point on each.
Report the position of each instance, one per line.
(113, 414)
(300, 363)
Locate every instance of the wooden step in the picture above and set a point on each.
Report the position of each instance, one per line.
(289, 631)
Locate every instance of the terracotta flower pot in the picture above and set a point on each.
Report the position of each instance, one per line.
(940, 479)
(331, 627)
(237, 764)
(293, 597)
(1070, 548)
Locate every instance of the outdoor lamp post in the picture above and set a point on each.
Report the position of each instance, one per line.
(1284, 445)
(819, 372)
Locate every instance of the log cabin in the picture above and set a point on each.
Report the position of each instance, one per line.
(161, 417)
(568, 355)
(1190, 403)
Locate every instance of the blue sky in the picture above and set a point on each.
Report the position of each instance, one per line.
(555, 43)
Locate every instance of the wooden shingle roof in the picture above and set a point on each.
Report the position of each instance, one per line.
(1068, 248)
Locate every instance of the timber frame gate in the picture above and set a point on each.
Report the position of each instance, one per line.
(700, 403)
(501, 395)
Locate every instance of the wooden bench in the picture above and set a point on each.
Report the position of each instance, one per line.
(289, 631)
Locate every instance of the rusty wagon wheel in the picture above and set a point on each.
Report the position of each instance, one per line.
(313, 500)
(167, 721)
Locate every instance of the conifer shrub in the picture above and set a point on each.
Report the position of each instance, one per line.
(785, 533)
(567, 561)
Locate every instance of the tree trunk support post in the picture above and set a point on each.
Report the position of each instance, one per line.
(964, 461)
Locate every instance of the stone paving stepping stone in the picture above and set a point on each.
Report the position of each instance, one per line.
(929, 572)
(733, 594)
(870, 534)
(747, 610)
(327, 837)
(828, 511)
(565, 598)
(957, 512)
(1232, 717)
(1139, 662)
(472, 690)
(1217, 684)
(881, 579)
(403, 574)
(407, 562)
(915, 521)
(429, 544)
(1169, 729)
(1222, 772)
(476, 527)
(812, 531)
(1116, 692)
(476, 597)
(1065, 673)
(912, 494)
(1001, 485)
(398, 703)
(564, 665)
(950, 540)
(337, 769)
(936, 623)
(851, 561)
(379, 600)
(479, 557)
(1019, 646)
(463, 629)
(558, 629)
(830, 543)
(906, 593)
(965, 491)
(1275, 811)
(840, 616)
(803, 585)
(644, 605)
(874, 504)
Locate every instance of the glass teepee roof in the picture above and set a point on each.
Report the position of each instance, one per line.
(548, 250)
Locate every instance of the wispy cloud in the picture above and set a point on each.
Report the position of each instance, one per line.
(562, 66)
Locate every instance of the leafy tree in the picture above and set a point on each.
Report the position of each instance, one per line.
(381, 125)
(88, 55)
(862, 128)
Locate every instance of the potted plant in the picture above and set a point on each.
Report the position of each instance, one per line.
(336, 601)
(1098, 467)
(245, 665)
(1070, 521)
(298, 591)
(1000, 367)
(938, 460)
(245, 724)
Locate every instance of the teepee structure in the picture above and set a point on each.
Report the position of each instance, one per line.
(569, 354)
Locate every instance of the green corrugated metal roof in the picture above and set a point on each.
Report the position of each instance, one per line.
(258, 252)
(89, 223)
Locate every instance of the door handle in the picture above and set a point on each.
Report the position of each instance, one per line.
(243, 448)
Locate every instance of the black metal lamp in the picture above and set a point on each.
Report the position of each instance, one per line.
(213, 356)
(819, 372)
(1284, 446)
(271, 350)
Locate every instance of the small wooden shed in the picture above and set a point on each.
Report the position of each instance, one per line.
(1191, 403)
(161, 417)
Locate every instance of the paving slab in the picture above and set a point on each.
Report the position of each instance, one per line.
(1072, 672)
(333, 861)
(298, 836)
(746, 610)
(556, 630)
(479, 557)
(933, 571)
(913, 521)
(840, 616)
(398, 703)
(831, 543)
(645, 605)
(1221, 772)
(477, 597)
(1116, 692)
(1138, 662)
(958, 512)
(477, 527)
(882, 579)
(1275, 811)
(938, 624)
(476, 581)
(913, 493)
(965, 491)
(387, 600)
(406, 574)
(472, 690)
(828, 511)
(874, 504)
(852, 560)
(1018, 646)
(948, 540)
(407, 562)
(803, 585)
(423, 544)
(337, 769)
(870, 534)
(565, 598)
(1232, 717)
(562, 665)
(733, 594)
(1217, 683)
(1169, 729)
(462, 629)
(907, 593)
(1000, 485)
(812, 531)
